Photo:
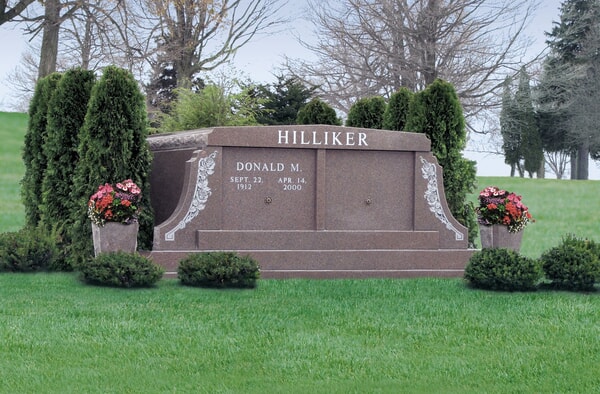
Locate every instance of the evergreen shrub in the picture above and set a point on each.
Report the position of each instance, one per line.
(572, 265)
(503, 269)
(367, 112)
(218, 269)
(318, 112)
(209, 107)
(112, 146)
(66, 114)
(437, 112)
(27, 250)
(121, 269)
(34, 157)
(396, 112)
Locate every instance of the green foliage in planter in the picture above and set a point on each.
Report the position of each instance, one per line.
(34, 157)
(218, 269)
(503, 269)
(367, 112)
(318, 112)
(27, 250)
(573, 265)
(121, 269)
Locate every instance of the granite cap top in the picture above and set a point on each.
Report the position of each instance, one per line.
(293, 136)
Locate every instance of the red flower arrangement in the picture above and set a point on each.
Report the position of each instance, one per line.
(497, 206)
(115, 203)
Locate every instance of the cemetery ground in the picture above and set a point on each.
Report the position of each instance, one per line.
(375, 335)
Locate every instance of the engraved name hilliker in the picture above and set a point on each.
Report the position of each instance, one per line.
(325, 138)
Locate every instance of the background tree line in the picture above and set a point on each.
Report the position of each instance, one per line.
(554, 121)
(362, 49)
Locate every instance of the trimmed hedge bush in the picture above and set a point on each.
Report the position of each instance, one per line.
(573, 265)
(317, 112)
(503, 269)
(27, 250)
(396, 112)
(121, 269)
(367, 112)
(218, 269)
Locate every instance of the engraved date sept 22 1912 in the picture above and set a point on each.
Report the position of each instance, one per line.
(287, 183)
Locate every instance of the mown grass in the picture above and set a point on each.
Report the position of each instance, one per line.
(332, 336)
(419, 335)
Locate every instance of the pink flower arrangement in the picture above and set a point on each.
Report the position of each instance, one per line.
(115, 203)
(497, 206)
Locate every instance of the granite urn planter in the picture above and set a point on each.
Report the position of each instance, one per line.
(498, 236)
(114, 237)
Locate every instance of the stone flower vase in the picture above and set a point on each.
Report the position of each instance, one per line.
(113, 237)
(498, 236)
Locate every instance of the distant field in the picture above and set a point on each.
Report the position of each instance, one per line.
(560, 207)
(12, 131)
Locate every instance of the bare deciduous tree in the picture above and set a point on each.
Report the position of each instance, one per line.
(107, 32)
(191, 35)
(22, 80)
(374, 47)
(201, 35)
(9, 12)
(558, 161)
(47, 19)
(198, 36)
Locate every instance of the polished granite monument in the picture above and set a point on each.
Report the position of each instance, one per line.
(306, 201)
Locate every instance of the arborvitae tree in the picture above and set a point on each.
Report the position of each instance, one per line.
(112, 147)
(511, 135)
(394, 117)
(282, 101)
(318, 112)
(66, 114)
(33, 152)
(436, 111)
(367, 112)
(531, 147)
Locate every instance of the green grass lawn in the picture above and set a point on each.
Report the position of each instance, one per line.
(332, 336)
(425, 335)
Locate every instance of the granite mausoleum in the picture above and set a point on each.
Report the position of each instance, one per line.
(306, 201)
